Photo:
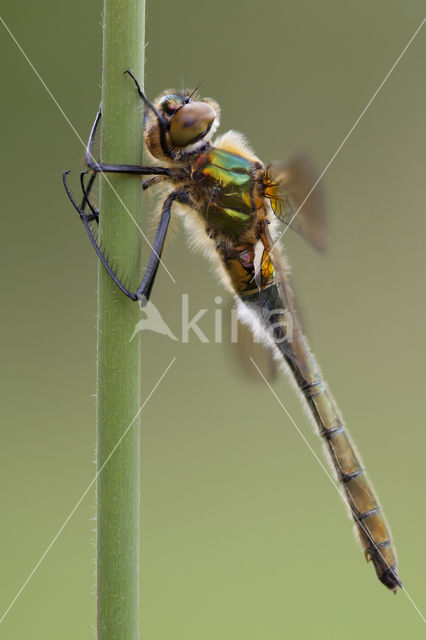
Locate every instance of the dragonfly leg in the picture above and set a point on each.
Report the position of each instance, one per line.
(162, 122)
(119, 168)
(149, 182)
(94, 215)
(86, 219)
(144, 290)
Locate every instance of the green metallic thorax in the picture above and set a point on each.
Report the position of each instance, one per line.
(228, 177)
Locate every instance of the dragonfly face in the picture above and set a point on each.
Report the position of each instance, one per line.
(226, 188)
(181, 125)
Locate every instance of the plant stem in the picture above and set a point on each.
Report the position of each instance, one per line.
(119, 371)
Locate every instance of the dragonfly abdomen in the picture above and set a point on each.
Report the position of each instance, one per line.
(365, 509)
(273, 305)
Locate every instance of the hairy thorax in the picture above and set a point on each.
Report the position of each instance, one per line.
(225, 187)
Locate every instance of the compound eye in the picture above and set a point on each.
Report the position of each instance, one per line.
(191, 123)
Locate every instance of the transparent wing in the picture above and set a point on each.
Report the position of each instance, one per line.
(289, 187)
(242, 346)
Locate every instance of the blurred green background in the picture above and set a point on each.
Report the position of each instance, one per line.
(243, 535)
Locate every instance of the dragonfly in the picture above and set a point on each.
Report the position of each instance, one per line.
(233, 203)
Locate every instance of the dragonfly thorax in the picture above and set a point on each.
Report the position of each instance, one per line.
(228, 184)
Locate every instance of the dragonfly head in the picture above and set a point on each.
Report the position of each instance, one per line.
(183, 127)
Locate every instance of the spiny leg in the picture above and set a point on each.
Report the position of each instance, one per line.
(119, 168)
(86, 218)
(150, 181)
(94, 215)
(162, 122)
(101, 255)
(144, 290)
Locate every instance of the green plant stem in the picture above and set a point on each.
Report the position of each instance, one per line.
(118, 488)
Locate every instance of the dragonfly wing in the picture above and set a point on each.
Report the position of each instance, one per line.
(244, 347)
(297, 199)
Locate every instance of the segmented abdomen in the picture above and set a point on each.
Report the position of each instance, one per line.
(268, 297)
(365, 509)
